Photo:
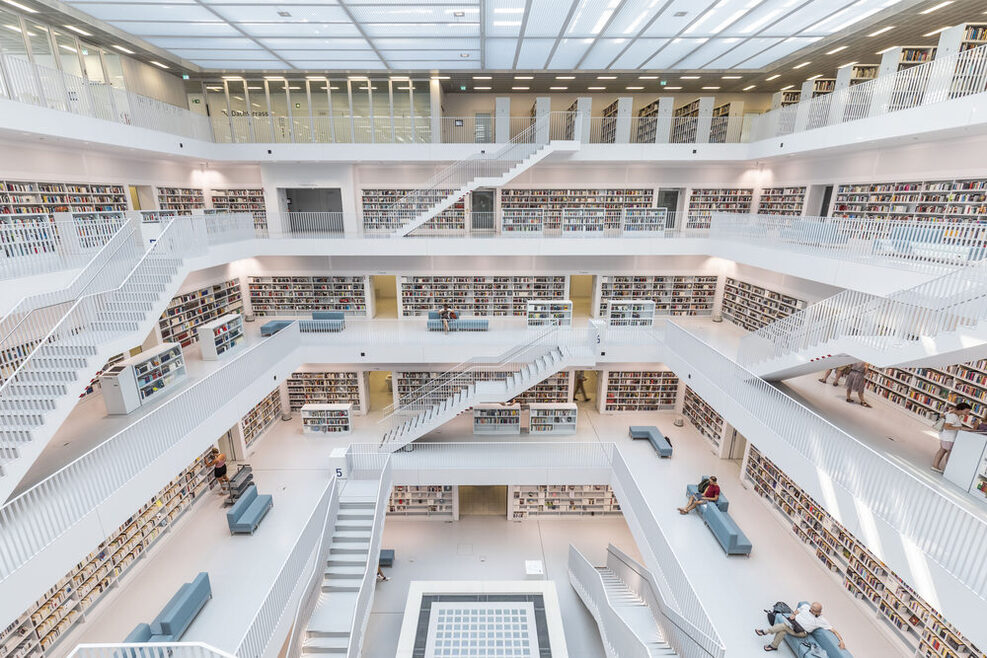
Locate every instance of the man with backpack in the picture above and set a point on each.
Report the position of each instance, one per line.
(803, 621)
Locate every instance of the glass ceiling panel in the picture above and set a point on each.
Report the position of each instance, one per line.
(637, 53)
(673, 52)
(312, 43)
(534, 53)
(783, 49)
(745, 50)
(603, 52)
(300, 29)
(191, 42)
(149, 12)
(706, 52)
(569, 52)
(632, 18)
(590, 17)
(442, 30)
(546, 19)
(500, 53)
(270, 13)
(669, 25)
(167, 29)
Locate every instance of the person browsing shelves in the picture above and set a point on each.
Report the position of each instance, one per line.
(805, 620)
(948, 427)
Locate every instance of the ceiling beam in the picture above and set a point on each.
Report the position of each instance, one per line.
(363, 33)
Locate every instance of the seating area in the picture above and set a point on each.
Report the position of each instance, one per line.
(817, 640)
(721, 502)
(248, 511)
(328, 321)
(175, 618)
(654, 436)
(459, 324)
(386, 558)
(273, 327)
(731, 538)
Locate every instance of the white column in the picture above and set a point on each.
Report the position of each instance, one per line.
(622, 129)
(543, 108)
(837, 103)
(885, 84)
(435, 100)
(584, 107)
(943, 67)
(663, 122)
(502, 119)
(735, 123)
(802, 109)
(705, 121)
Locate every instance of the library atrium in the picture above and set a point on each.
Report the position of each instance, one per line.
(493, 328)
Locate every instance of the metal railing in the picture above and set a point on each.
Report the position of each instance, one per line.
(324, 129)
(942, 305)
(150, 650)
(301, 571)
(38, 244)
(366, 458)
(307, 224)
(923, 514)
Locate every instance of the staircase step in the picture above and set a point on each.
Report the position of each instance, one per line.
(348, 559)
(338, 645)
(354, 516)
(318, 633)
(354, 526)
(341, 585)
(349, 548)
(345, 571)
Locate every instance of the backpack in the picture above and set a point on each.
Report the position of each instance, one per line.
(703, 484)
(814, 651)
(779, 608)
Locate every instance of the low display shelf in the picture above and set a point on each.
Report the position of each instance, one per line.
(552, 418)
(42, 627)
(917, 626)
(497, 419)
(262, 416)
(751, 306)
(327, 418)
(435, 501)
(187, 311)
(326, 388)
(242, 200)
(559, 500)
(672, 294)
(142, 379)
(703, 417)
(549, 313)
(220, 336)
(638, 390)
(630, 313)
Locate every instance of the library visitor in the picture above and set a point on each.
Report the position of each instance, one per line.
(840, 374)
(948, 426)
(217, 460)
(806, 619)
(709, 492)
(580, 386)
(856, 381)
(445, 315)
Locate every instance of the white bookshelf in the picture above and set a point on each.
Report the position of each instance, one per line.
(477, 295)
(584, 221)
(522, 221)
(637, 390)
(242, 199)
(48, 197)
(932, 200)
(549, 312)
(327, 418)
(299, 295)
(630, 312)
(431, 501)
(263, 415)
(40, 630)
(560, 501)
(781, 201)
(645, 220)
(376, 205)
(187, 311)
(323, 387)
(552, 202)
(928, 392)
(704, 418)
(142, 379)
(221, 335)
(183, 200)
(704, 201)
(552, 418)
(672, 294)
(553, 389)
(156, 216)
(497, 419)
(751, 306)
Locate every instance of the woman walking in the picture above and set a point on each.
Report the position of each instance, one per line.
(856, 381)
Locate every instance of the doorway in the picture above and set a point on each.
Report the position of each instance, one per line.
(314, 199)
(385, 295)
(483, 501)
(379, 388)
(581, 294)
(737, 445)
(482, 213)
(141, 197)
(484, 128)
(669, 200)
(591, 386)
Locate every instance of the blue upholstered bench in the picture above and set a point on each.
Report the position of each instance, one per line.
(817, 638)
(721, 502)
(459, 324)
(324, 322)
(732, 539)
(175, 618)
(247, 512)
(273, 327)
(386, 558)
(654, 436)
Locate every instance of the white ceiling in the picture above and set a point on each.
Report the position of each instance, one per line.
(489, 35)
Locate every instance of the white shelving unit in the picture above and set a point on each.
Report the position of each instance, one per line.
(497, 419)
(553, 201)
(706, 200)
(781, 201)
(183, 200)
(549, 312)
(584, 221)
(552, 418)
(40, 197)
(263, 415)
(645, 220)
(431, 501)
(297, 295)
(933, 200)
(322, 387)
(673, 294)
(220, 336)
(477, 295)
(187, 311)
(751, 306)
(242, 200)
(376, 205)
(327, 418)
(560, 501)
(522, 221)
(637, 390)
(704, 418)
(142, 379)
(630, 313)
(156, 216)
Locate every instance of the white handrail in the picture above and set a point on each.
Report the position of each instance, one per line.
(37, 244)
(150, 650)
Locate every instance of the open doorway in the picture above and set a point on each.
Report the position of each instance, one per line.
(591, 385)
(483, 501)
(379, 390)
(385, 295)
(669, 200)
(142, 197)
(581, 294)
(736, 445)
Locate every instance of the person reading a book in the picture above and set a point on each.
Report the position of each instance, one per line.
(445, 315)
(803, 621)
(710, 493)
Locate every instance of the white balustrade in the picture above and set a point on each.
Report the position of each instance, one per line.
(150, 650)
(38, 244)
(365, 598)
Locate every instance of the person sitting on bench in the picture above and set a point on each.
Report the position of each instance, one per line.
(445, 315)
(804, 620)
(708, 494)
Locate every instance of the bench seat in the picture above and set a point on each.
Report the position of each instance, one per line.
(731, 538)
(177, 615)
(273, 327)
(250, 508)
(461, 324)
(817, 638)
(721, 502)
(654, 436)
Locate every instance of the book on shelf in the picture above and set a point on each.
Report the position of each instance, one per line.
(187, 311)
(559, 501)
(299, 295)
(482, 296)
(703, 417)
(552, 203)
(671, 294)
(638, 390)
(752, 307)
(497, 419)
(221, 335)
(260, 417)
(326, 388)
(327, 418)
(144, 378)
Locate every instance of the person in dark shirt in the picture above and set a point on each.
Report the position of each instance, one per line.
(710, 494)
(445, 315)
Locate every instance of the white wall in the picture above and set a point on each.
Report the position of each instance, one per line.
(146, 80)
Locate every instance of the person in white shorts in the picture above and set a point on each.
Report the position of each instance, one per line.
(952, 424)
(808, 617)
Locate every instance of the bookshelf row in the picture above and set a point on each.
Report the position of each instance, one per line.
(440, 501)
(637, 390)
(927, 392)
(27, 197)
(555, 389)
(327, 418)
(219, 336)
(245, 199)
(672, 294)
(187, 311)
(706, 200)
(751, 306)
(478, 295)
(262, 416)
(327, 388)
(553, 201)
(549, 313)
(919, 627)
(38, 631)
(781, 200)
(300, 295)
(560, 500)
(935, 200)
(182, 200)
(630, 313)
(376, 206)
(703, 417)
(543, 418)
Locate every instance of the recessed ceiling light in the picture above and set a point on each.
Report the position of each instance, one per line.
(798, 66)
(886, 50)
(232, 77)
(464, 54)
(284, 14)
(319, 77)
(881, 31)
(787, 87)
(846, 65)
(935, 32)
(482, 77)
(68, 48)
(680, 14)
(159, 64)
(670, 88)
(440, 77)
(710, 87)
(78, 31)
(482, 88)
(817, 75)
(647, 77)
(596, 88)
(281, 77)
(749, 87)
(836, 50)
(124, 50)
(520, 88)
(558, 88)
(732, 77)
(935, 7)
(214, 88)
(606, 77)
(254, 88)
(633, 88)
(459, 14)
(524, 77)
(20, 6)
(774, 77)
(393, 77)
(565, 77)
(689, 77)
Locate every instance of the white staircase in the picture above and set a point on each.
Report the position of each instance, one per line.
(455, 391)
(635, 612)
(522, 152)
(941, 322)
